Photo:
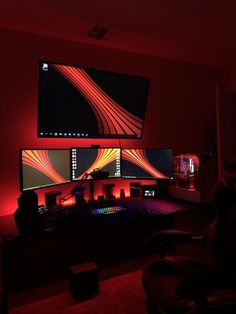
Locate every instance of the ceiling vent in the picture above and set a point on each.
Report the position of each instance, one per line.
(98, 32)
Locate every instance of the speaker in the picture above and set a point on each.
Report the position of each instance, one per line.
(51, 199)
(163, 188)
(135, 190)
(108, 191)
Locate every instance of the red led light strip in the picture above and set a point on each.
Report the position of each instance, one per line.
(111, 117)
(139, 158)
(39, 160)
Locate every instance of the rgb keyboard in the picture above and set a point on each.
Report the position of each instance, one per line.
(108, 210)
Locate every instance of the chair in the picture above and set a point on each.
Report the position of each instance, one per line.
(27, 217)
(180, 284)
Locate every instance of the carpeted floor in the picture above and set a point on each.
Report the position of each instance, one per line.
(119, 295)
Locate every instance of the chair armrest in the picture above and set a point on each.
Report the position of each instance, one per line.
(167, 239)
(173, 236)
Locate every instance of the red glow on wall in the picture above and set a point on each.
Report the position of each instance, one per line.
(188, 83)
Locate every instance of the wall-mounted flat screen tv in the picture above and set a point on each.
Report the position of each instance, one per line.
(86, 160)
(44, 167)
(147, 163)
(81, 102)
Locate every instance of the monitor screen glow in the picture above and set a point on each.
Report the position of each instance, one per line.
(44, 167)
(147, 163)
(81, 102)
(86, 160)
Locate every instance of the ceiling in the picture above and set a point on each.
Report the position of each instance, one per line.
(199, 31)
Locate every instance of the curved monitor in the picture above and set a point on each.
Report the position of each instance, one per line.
(44, 167)
(81, 102)
(147, 163)
(86, 160)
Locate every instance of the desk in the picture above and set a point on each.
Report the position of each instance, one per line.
(106, 240)
(80, 216)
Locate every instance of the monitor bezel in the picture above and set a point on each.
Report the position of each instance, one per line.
(146, 178)
(22, 189)
(93, 148)
(98, 136)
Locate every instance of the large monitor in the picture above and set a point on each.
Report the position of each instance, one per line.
(147, 163)
(86, 160)
(44, 167)
(81, 102)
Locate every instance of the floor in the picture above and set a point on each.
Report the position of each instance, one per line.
(120, 295)
(115, 282)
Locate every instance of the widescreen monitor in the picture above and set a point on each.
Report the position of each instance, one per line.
(81, 102)
(147, 163)
(44, 167)
(86, 160)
